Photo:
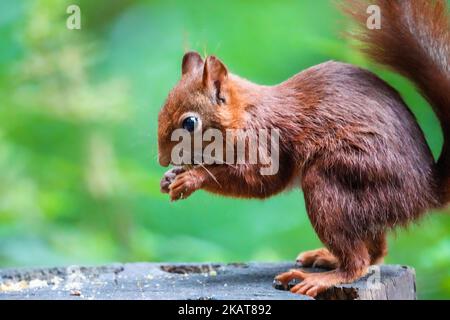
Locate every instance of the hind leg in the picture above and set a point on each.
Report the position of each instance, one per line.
(349, 255)
(334, 212)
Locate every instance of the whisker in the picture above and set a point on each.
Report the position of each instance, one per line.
(210, 173)
(218, 161)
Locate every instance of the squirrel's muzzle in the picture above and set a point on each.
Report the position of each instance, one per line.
(163, 160)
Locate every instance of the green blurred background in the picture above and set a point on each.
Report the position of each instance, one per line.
(79, 178)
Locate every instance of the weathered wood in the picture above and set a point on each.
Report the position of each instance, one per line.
(253, 281)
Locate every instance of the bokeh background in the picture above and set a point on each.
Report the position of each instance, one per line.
(79, 178)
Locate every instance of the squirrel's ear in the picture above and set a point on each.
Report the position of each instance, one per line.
(214, 75)
(191, 61)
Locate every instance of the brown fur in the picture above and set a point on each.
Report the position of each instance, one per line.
(357, 150)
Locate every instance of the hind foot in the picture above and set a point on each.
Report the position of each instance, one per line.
(320, 258)
(313, 284)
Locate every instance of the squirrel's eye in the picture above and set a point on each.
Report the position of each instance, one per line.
(190, 123)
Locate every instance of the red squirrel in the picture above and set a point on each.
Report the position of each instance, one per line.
(347, 138)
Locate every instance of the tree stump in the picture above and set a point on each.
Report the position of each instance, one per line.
(161, 281)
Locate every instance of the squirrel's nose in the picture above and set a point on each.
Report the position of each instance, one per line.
(163, 160)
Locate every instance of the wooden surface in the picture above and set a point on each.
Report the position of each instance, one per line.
(253, 281)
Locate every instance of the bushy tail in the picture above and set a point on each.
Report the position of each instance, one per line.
(414, 40)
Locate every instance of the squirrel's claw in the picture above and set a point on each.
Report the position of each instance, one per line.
(184, 185)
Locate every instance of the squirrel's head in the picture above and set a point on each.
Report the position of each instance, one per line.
(199, 101)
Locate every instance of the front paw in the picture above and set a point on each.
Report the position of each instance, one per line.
(169, 178)
(185, 184)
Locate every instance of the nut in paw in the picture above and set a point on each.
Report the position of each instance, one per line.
(185, 184)
(169, 177)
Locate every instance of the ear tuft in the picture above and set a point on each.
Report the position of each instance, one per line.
(191, 61)
(214, 71)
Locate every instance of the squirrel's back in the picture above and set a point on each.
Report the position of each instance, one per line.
(360, 133)
(414, 40)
